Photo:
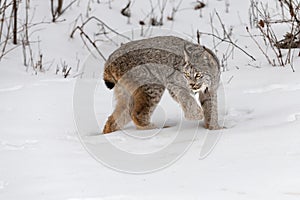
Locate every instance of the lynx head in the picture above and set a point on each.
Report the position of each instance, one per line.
(198, 79)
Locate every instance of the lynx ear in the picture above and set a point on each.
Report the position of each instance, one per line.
(186, 55)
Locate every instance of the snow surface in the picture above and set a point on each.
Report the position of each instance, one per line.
(43, 157)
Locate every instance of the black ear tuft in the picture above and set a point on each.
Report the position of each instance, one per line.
(110, 85)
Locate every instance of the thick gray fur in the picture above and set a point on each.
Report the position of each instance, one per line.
(140, 71)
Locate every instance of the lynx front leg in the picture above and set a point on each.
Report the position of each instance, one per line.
(120, 117)
(145, 100)
(210, 106)
(191, 109)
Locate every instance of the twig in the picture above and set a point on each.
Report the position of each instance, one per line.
(230, 79)
(67, 72)
(269, 60)
(24, 52)
(2, 9)
(272, 40)
(56, 13)
(174, 11)
(67, 7)
(8, 34)
(9, 50)
(198, 37)
(125, 11)
(82, 33)
(100, 21)
(230, 42)
(15, 10)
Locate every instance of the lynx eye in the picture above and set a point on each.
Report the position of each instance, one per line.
(187, 74)
(198, 76)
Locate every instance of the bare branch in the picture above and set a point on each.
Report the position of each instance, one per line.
(82, 33)
(100, 21)
(265, 54)
(15, 10)
(230, 42)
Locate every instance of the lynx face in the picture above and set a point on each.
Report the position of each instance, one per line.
(197, 80)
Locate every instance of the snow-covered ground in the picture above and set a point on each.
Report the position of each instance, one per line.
(44, 154)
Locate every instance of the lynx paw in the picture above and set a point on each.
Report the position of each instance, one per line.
(108, 129)
(196, 114)
(110, 126)
(213, 126)
(150, 126)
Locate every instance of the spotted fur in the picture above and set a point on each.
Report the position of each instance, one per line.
(140, 71)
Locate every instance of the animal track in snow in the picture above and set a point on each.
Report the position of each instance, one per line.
(3, 184)
(234, 116)
(273, 87)
(294, 117)
(17, 146)
(17, 87)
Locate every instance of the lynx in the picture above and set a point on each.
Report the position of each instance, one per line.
(140, 71)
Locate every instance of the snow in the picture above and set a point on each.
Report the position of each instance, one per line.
(51, 145)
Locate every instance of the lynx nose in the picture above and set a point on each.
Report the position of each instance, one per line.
(194, 86)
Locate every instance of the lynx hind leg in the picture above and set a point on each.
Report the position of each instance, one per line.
(120, 116)
(145, 100)
(191, 109)
(210, 106)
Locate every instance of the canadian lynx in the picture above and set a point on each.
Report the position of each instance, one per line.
(140, 71)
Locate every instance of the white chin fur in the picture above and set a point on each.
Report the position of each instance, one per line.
(201, 89)
(196, 91)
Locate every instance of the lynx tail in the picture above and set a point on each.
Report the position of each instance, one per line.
(109, 80)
